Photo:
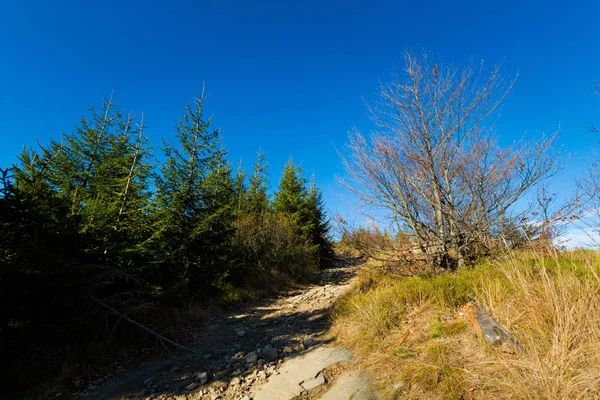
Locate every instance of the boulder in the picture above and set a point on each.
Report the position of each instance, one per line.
(202, 377)
(252, 357)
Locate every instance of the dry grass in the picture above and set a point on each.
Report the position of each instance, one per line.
(413, 343)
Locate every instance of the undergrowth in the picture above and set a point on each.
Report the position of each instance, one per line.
(415, 345)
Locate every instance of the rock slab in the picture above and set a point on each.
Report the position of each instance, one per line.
(314, 382)
(350, 386)
(299, 369)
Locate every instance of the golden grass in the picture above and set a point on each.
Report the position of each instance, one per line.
(413, 343)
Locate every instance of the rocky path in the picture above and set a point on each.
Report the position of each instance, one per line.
(251, 355)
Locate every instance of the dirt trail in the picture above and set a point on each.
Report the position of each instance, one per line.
(237, 353)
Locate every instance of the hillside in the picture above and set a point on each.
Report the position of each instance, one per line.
(414, 340)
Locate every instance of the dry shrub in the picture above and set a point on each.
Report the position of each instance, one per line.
(393, 254)
(269, 246)
(554, 309)
(414, 345)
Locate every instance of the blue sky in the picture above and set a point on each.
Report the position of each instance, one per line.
(286, 76)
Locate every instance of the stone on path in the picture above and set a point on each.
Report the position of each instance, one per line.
(268, 354)
(202, 377)
(251, 357)
(299, 369)
(350, 386)
(240, 332)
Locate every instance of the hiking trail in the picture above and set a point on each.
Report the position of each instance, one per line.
(277, 349)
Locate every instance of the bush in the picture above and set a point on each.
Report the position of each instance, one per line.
(269, 246)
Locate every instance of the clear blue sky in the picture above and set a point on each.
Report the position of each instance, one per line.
(286, 76)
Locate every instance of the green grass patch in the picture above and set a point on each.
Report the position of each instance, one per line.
(451, 329)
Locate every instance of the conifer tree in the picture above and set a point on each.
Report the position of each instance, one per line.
(291, 194)
(45, 214)
(305, 210)
(101, 169)
(258, 198)
(240, 190)
(132, 172)
(317, 226)
(195, 199)
(217, 227)
(76, 210)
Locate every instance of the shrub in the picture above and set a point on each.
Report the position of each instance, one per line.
(269, 246)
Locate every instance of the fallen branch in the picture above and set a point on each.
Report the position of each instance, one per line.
(400, 342)
(418, 311)
(121, 315)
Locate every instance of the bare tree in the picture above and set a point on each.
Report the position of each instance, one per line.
(589, 184)
(434, 162)
(594, 128)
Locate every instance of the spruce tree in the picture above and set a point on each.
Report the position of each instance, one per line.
(240, 190)
(131, 222)
(196, 202)
(217, 227)
(317, 226)
(290, 201)
(37, 278)
(258, 198)
(305, 210)
(291, 194)
(101, 169)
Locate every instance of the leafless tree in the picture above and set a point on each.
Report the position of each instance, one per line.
(594, 128)
(434, 162)
(589, 184)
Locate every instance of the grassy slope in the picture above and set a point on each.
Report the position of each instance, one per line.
(414, 344)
